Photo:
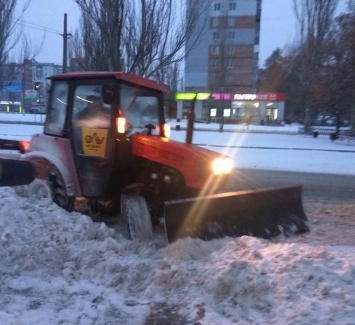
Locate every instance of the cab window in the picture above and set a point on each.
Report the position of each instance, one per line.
(140, 107)
(55, 122)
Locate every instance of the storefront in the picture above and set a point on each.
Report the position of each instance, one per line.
(10, 107)
(265, 108)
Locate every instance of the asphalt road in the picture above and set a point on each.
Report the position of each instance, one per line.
(314, 186)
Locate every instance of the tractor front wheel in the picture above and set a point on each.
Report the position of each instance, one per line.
(135, 221)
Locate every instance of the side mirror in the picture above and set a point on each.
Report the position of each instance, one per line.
(110, 93)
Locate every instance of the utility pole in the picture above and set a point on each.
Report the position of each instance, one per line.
(65, 45)
(190, 121)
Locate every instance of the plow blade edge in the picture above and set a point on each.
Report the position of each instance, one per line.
(15, 172)
(264, 213)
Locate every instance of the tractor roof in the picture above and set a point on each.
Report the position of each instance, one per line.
(128, 77)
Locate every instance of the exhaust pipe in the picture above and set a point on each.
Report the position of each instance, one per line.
(16, 172)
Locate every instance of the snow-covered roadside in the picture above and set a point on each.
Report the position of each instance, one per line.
(61, 268)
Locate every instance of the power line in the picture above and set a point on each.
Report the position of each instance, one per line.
(36, 26)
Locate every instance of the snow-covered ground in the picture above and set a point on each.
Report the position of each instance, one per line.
(61, 268)
(249, 146)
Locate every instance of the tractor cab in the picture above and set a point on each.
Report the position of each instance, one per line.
(99, 112)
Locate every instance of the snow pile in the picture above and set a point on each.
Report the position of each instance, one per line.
(61, 268)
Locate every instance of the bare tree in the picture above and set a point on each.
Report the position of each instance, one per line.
(340, 67)
(76, 52)
(315, 19)
(8, 24)
(159, 38)
(273, 77)
(142, 36)
(319, 78)
(29, 51)
(102, 25)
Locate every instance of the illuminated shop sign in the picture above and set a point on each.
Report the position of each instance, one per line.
(191, 96)
(221, 96)
(261, 97)
(274, 97)
(202, 96)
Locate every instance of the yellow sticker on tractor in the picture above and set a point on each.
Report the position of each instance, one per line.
(94, 141)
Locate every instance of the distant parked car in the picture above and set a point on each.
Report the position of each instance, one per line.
(38, 110)
(331, 121)
(325, 120)
(34, 110)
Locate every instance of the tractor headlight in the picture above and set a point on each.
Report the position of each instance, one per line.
(121, 124)
(222, 166)
(167, 131)
(166, 128)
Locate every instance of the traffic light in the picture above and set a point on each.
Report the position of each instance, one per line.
(37, 85)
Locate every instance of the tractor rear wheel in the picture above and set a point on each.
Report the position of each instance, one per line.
(40, 188)
(135, 221)
(59, 192)
(52, 188)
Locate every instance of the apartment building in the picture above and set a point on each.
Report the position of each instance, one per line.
(40, 73)
(225, 59)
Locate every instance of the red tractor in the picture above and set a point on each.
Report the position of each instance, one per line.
(105, 151)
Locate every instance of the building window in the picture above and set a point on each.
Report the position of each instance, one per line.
(214, 63)
(230, 49)
(214, 78)
(230, 35)
(230, 78)
(215, 35)
(215, 50)
(231, 21)
(229, 64)
(257, 37)
(215, 21)
(232, 6)
(217, 7)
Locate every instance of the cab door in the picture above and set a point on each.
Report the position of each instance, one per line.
(92, 125)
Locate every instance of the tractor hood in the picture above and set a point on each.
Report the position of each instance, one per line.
(196, 164)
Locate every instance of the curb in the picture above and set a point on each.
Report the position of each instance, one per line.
(24, 122)
(272, 148)
(238, 131)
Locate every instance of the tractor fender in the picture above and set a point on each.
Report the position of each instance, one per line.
(69, 177)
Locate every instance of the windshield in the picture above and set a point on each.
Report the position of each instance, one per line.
(140, 107)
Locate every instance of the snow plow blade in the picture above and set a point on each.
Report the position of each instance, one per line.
(15, 172)
(264, 213)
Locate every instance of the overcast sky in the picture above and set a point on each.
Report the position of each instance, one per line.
(278, 26)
